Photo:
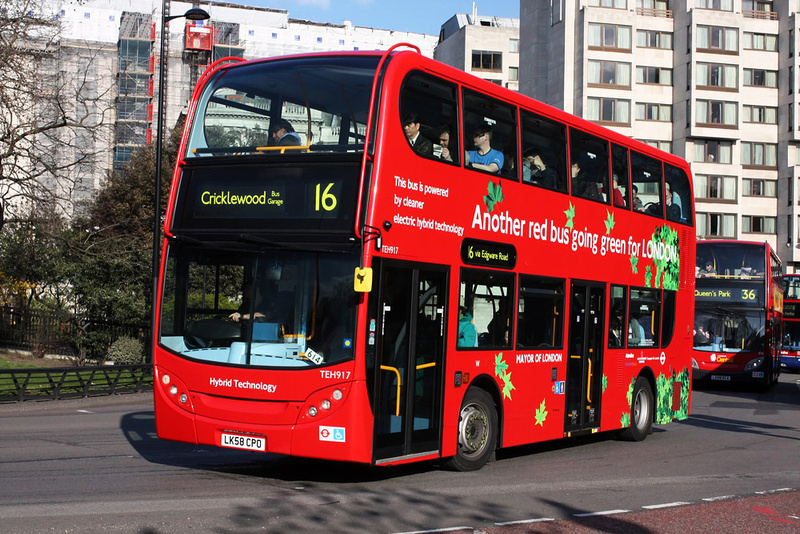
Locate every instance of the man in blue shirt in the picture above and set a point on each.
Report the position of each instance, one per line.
(484, 158)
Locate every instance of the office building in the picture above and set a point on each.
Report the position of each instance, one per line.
(711, 81)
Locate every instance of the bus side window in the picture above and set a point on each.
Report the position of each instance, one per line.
(433, 101)
(646, 177)
(668, 315)
(617, 311)
(589, 166)
(540, 313)
(620, 177)
(644, 319)
(681, 192)
(544, 152)
(485, 309)
(490, 131)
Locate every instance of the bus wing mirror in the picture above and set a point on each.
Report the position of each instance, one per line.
(362, 282)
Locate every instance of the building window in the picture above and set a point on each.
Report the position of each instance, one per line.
(760, 41)
(719, 5)
(760, 78)
(513, 46)
(486, 60)
(758, 224)
(715, 225)
(717, 75)
(653, 39)
(616, 4)
(713, 151)
(759, 154)
(133, 109)
(715, 112)
(134, 55)
(608, 110)
(760, 114)
(717, 39)
(609, 73)
(654, 75)
(666, 146)
(221, 51)
(752, 187)
(757, 6)
(653, 112)
(513, 74)
(715, 187)
(609, 36)
(556, 11)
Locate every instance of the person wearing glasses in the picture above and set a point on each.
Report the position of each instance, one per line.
(484, 157)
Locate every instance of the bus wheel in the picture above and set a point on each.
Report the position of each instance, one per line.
(641, 411)
(477, 431)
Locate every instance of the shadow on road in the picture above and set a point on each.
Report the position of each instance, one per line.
(140, 431)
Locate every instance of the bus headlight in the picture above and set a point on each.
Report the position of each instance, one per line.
(694, 364)
(324, 403)
(753, 364)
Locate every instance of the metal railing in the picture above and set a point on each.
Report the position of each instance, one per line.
(41, 331)
(54, 383)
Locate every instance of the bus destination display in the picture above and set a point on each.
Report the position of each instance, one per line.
(731, 293)
(264, 198)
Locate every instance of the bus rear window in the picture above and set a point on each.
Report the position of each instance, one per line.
(316, 105)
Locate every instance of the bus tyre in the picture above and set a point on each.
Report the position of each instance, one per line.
(641, 411)
(477, 431)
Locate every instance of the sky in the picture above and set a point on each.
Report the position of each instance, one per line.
(417, 16)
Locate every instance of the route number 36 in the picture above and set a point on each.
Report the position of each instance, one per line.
(748, 294)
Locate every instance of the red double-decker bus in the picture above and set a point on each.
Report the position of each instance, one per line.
(790, 349)
(738, 313)
(376, 258)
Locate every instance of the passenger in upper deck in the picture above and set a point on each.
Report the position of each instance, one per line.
(583, 184)
(636, 202)
(444, 141)
(419, 143)
(708, 270)
(535, 170)
(283, 133)
(484, 157)
(619, 198)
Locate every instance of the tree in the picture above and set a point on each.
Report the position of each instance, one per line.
(53, 112)
(112, 274)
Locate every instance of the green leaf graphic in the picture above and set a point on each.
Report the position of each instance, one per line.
(507, 385)
(541, 414)
(495, 195)
(634, 264)
(570, 213)
(609, 222)
(500, 366)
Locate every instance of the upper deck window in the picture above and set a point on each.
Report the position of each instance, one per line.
(244, 109)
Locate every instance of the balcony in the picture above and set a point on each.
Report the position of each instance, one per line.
(763, 15)
(649, 12)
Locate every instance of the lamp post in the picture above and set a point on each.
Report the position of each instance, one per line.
(194, 13)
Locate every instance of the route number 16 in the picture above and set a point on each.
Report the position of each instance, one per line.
(325, 199)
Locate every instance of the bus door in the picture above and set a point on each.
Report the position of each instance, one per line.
(585, 357)
(410, 355)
